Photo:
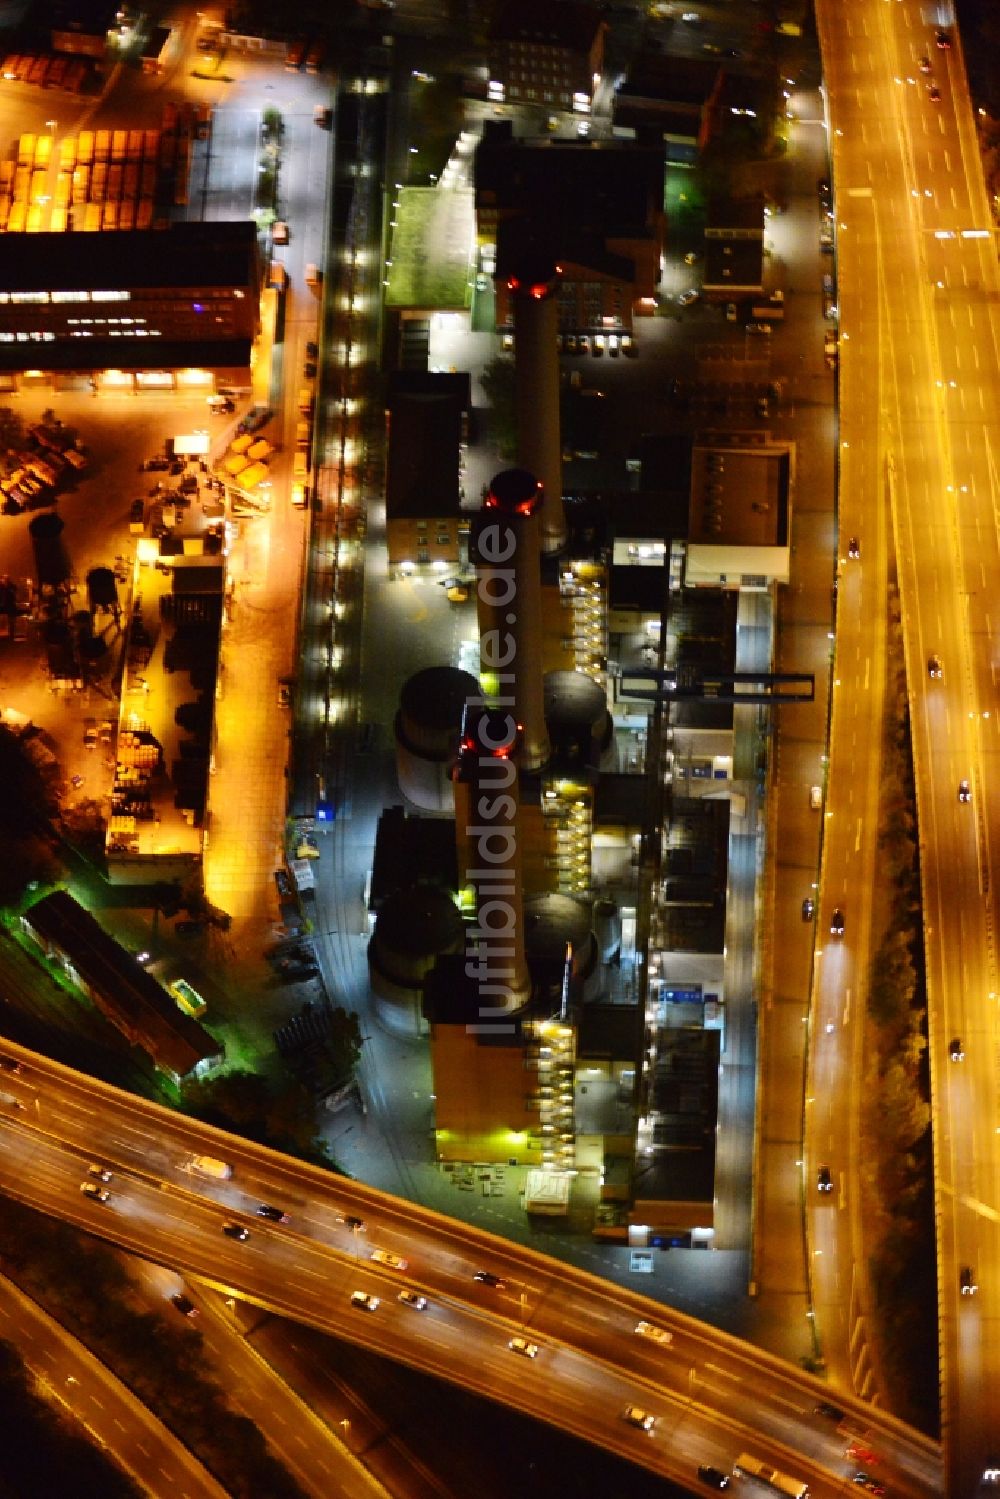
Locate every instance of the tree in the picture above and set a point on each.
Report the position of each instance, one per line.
(498, 385)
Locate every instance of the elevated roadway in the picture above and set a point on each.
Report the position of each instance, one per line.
(713, 1396)
(919, 297)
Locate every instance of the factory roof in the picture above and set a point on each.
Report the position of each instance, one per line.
(553, 23)
(422, 471)
(207, 254)
(120, 986)
(605, 187)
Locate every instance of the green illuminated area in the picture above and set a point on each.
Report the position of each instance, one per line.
(428, 263)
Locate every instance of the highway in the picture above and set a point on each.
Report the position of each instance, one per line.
(919, 300)
(114, 1418)
(712, 1395)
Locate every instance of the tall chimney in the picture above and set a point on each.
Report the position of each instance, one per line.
(532, 280)
(506, 548)
(487, 817)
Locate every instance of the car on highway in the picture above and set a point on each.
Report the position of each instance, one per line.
(713, 1477)
(636, 1416)
(924, 64)
(808, 908)
(859, 1453)
(868, 1483)
(99, 1173)
(854, 549)
(955, 1050)
(830, 1411)
(8, 1064)
(523, 1347)
(487, 1278)
(274, 1214)
(356, 1225)
(934, 667)
(389, 1260)
(363, 1301)
(964, 791)
(413, 1299)
(184, 1304)
(942, 40)
(93, 1191)
(236, 1231)
(815, 797)
(837, 923)
(967, 1281)
(654, 1333)
(689, 297)
(824, 1181)
(933, 93)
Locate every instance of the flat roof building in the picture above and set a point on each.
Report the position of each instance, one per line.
(119, 986)
(426, 419)
(130, 300)
(547, 52)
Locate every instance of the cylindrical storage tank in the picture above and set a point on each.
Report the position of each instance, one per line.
(427, 729)
(412, 930)
(488, 839)
(553, 924)
(52, 566)
(577, 717)
(533, 279)
(506, 548)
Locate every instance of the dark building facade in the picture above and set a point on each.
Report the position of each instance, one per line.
(119, 986)
(130, 300)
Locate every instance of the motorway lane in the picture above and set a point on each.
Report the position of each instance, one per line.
(309, 1269)
(69, 1375)
(940, 404)
(310, 1448)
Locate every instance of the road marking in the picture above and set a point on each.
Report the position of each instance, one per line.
(857, 841)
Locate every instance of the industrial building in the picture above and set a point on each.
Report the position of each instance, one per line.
(548, 52)
(137, 300)
(426, 425)
(119, 986)
(601, 204)
(734, 249)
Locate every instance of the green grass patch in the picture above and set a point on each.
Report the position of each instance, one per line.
(424, 271)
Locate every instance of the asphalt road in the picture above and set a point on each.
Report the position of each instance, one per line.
(920, 313)
(713, 1395)
(112, 1416)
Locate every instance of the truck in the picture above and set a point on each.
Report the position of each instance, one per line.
(210, 1165)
